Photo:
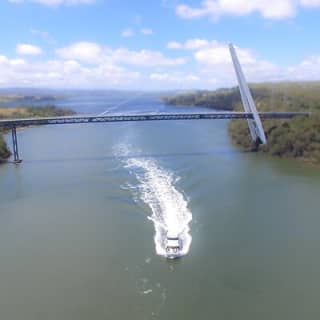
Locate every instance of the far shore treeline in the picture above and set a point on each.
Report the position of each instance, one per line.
(26, 112)
(298, 138)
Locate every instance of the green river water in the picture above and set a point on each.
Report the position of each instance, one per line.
(77, 242)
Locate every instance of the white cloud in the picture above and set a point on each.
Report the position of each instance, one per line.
(215, 68)
(218, 53)
(177, 78)
(191, 44)
(130, 32)
(196, 44)
(28, 49)
(144, 58)
(54, 3)
(216, 65)
(310, 3)
(63, 73)
(269, 9)
(91, 65)
(87, 52)
(146, 31)
(127, 33)
(11, 62)
(308, 69)
(93, 53)
(160, 76)
(174, 45)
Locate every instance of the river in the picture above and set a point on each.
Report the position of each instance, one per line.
(82, 222)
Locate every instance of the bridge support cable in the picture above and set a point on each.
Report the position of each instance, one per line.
(16, 157)
(255, 125)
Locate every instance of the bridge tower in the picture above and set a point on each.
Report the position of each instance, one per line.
(255, 124)
(16, 158)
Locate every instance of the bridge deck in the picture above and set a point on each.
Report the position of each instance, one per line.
(10, 123)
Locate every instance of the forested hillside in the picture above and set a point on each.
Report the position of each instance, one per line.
(298, 138)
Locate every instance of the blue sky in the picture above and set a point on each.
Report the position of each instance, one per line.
(158, 44)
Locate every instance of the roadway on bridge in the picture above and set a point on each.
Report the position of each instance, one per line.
(10, 123)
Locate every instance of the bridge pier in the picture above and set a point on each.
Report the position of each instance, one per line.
(16, 158)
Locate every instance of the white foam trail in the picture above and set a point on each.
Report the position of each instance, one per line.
(157, 189)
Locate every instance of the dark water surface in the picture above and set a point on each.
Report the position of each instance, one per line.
(76, 241)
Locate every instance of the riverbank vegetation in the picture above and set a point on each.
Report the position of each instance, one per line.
(298, 138)
(222, 99)
(4, 150)
(26, 99)
(27, 112)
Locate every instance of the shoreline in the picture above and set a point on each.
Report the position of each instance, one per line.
(306, 163)
(24, 112)
(297, 138)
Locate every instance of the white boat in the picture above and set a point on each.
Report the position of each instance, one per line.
(173, 245)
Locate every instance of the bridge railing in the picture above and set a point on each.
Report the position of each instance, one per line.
(9, 123)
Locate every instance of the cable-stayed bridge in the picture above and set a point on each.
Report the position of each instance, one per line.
(250, 113)
(146, 117)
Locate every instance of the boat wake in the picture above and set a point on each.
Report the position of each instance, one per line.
(156, 188)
